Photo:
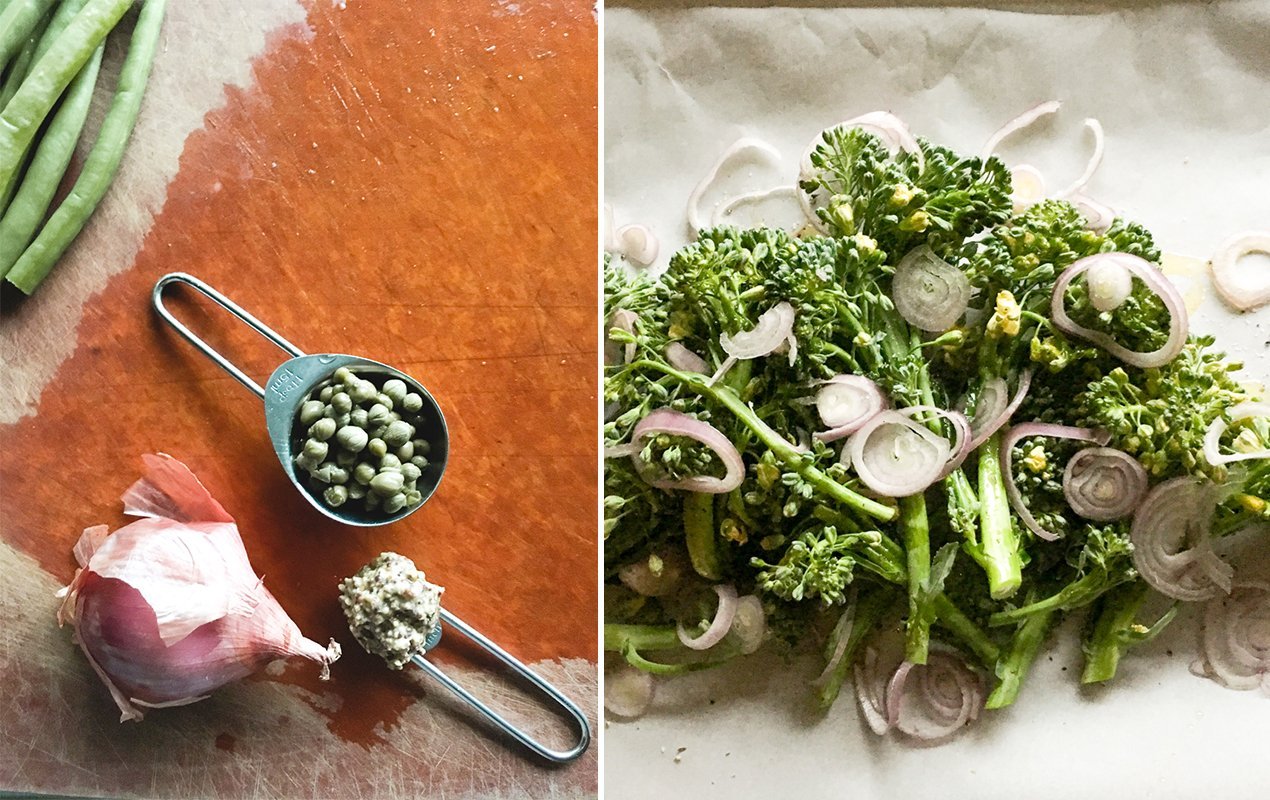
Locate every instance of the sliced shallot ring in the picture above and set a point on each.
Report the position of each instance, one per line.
(719, 626)
(928, 292)
(960, 446)
(684, 360)
(1174, 513)
(752, 198)
(895, 692)
(916, 477)
(1095, 159)
(866, 693)
(1098, 217)
(696, 217)
(628, 691)
(774, 328)
(844, 424)
(675, 423)
(1235, 637)
(1026, 431)
(638, 244)
(1017, 124)
(622, 319)
(1155, 281)
(1212, 438)
(993, 425)
(1103, 483)
(1027, 186)
(1223, 265)
(949, 717)
(749, 624)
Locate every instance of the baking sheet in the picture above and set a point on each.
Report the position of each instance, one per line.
(1181, 90)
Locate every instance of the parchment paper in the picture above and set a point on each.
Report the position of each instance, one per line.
(1182, 91)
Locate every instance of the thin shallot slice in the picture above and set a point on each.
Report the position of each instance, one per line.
(1027, 430)
(628, 691)
(763, 151)
(929, 702)
(621, 319)
(986, 424)
(1095, 159)
(749, 625)
(929, 293)
(1103, 483)
(684, 360)
(1098, 217)
(676, 423)
(774, 328)
(1172, 542)
(1155, 282)
(1239, 294)
(895, 456)
(1020, 122)
(1235, 637)
(719, 626)
(845, 402)
(637, 243)
(1212, 438)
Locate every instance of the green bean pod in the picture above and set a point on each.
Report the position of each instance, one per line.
(66, 11)
(18, 20)
(107, 152)
(52, 156)
(25, 113)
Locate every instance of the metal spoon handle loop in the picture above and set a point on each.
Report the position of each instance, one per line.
(558, 756)
(230, 306)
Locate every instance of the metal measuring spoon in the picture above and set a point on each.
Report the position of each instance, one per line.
(292, 383)
(396, 614)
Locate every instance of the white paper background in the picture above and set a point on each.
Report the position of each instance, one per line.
(1183, 90)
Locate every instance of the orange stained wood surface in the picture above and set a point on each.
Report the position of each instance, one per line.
(414, 183)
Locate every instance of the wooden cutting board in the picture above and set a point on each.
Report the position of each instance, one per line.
(414, 182)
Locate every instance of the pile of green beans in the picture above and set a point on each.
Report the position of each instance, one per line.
(51, 55)
(357, 443)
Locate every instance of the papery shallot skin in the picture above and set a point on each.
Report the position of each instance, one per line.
(167, 609)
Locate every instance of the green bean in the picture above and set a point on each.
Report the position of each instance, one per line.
(52, 156)
(58, 21)
(107, 152)
(26, 110)
(17, 21)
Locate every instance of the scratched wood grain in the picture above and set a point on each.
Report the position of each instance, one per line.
(410, 181)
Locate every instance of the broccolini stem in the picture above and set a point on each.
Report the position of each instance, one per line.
(1078, 593)
(775, 442)
(951, 619)
(869, 609)
(699, 533)
(1115, 630)
(998, 550)
(915, 531)
(630, 639)
(1013, 667)
(963, 510)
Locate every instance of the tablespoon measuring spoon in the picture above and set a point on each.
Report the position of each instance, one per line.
(294, 381)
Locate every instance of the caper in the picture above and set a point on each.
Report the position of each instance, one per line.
(351, 438)
(398, 433)
(307, 462)
(420, 462)
(413, 498)
(335, 496)
(325, 394)
(377, 447)
(389, 461)
(396, 389)
(406, 451)
(412, 402)
(379, 414)
(341, 402)
(315, 450)
(323, 429)
(384, 400)
(311, 411)
(395, 503)
(358, 417)
(363, 473)
(422, 448)
(387, 484)
(326, 472)
(346, 459)
(363, 391)
(356, 491)
(343, 375)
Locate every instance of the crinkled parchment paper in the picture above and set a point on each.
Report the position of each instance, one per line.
(1183, 90)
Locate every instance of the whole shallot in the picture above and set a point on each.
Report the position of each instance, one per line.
(167, 609)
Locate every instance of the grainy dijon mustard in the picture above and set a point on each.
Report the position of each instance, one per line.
(391, 608)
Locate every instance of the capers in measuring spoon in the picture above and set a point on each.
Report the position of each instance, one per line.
(357, 445)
